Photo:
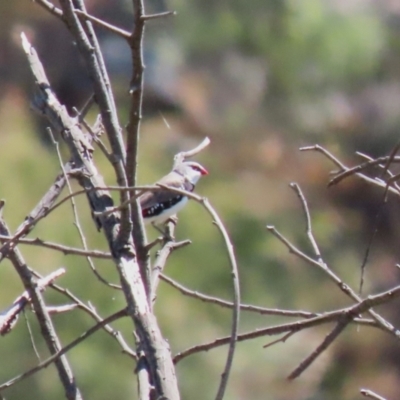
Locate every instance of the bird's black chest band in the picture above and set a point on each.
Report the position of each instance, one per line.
(158, 208)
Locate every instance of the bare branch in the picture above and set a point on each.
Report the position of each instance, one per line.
(280, 340)
(48, 331)
(35, 350)
(60, 247)
(61, 309)
(228, 304)
(96, 137)
(342, 286)
(158, 16)
(309, 231)
(111, 28)
(76, 218)
(348, 313)
(392, 177)
(60, 354)
(168, 247)
(132, 144)
(234, 273)
(326, 153)
(180, 157)
(90, 310)
(156, 349)
(354, 170)
(371, 394)
(41, 210)
(320, 349)
(8, 318)
(391, 158)
(89, 48)
(50, 7)
(145, 389)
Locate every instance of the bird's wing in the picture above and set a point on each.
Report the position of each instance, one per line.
(150, 199)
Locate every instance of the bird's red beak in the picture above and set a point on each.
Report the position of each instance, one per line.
(204, 171)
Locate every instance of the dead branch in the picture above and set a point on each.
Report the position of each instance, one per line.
(39, 212)
(181, 157)
(371, 394)
(76, 218)
(67, 250)
(48, 331)
(157, 352)
(89, 48)
(234, 273)
(354, 170)
(344, 314)
(111, 28)
(9, 317)
(329, 272)
(61, 353)
(91, 311)
(228, 304)
(329, 339)
(377, 182)
(149, 17)
(168, 247)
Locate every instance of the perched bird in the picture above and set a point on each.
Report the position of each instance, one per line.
(158, 206)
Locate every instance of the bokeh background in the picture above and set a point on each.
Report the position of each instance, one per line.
(261, 78)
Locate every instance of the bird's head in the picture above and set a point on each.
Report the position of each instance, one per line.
(191, 170)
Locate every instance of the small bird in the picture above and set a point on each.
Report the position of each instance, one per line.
(158, 207)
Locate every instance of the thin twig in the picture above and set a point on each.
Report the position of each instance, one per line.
(159, 264)
(76, 217)
(391, 158)
(342, 286)
(157, 350)
(40, 211)
(296, 326)
(158, 15)
(61, 309)
(60, 247)
(321, 348)
(97, 140)
(63, 350)
(331, 157)
(392, 179)
(31, 337)
(180, 157)
(89, 49)
(369, 245)
(90, 310)
(234, 273)
(111, 28)
(309, 231)
(161, 370)
(228, 304)
(280, 340)
(353, 170)
(371, 394)
(132, 144)
(8, 318)
(50, 7)
(48, 331)
(85, 109)
(391, 175)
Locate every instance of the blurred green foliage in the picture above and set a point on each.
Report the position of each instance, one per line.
(261, 77)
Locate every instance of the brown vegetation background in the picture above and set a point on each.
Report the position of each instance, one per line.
(260, 78)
